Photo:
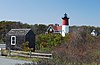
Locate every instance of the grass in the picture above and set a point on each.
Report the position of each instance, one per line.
(44, 50)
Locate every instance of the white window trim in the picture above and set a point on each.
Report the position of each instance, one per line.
(11, 40)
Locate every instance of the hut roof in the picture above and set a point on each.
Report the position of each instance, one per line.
(18, 31)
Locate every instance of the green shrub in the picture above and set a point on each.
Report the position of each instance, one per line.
(25, 47)
(48, 41)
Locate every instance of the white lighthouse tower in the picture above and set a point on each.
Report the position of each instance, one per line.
(65, 25)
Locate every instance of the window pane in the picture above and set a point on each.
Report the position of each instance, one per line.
(13, 42)
(13, 38)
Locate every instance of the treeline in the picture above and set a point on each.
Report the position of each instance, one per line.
(6, 26)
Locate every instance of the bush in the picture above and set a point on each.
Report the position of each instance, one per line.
(48, 41)
(25, 47)
(78, 49)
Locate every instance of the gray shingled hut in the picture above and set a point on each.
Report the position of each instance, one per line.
(16, 37)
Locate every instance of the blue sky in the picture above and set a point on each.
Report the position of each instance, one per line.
(80, 12)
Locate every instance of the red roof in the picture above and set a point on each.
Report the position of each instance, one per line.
(57, 28)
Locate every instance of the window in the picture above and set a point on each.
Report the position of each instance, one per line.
(50, 30)
(13, 40)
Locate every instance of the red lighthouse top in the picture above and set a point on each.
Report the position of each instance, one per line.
(65, 20)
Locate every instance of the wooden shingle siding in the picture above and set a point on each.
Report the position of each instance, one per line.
(22, 36)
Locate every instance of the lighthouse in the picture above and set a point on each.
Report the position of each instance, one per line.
(65, 25)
